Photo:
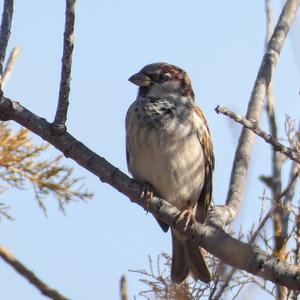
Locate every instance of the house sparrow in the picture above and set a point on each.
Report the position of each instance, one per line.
(168, 146)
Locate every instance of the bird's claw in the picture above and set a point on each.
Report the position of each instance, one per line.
(147, 193)
(187, 216)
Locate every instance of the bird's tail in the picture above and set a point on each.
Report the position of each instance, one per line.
(187, 257)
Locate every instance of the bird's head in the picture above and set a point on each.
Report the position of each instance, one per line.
(162, 80)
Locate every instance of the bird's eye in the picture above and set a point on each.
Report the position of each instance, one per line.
(164, 77)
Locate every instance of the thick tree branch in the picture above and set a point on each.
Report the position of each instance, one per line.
(8, 8)
(64, 90)
(225, 214)
(267, 137)
(217, 242)
(30, 276)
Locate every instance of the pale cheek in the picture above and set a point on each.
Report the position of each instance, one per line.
(169, 88)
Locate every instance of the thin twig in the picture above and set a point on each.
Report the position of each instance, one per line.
(30, 276)
(287, 191)
(254, 128)
(225, 284)
(225, 214)
(10, 65)
(7, 15)
(59, 123)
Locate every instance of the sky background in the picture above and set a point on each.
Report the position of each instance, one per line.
(84, 253)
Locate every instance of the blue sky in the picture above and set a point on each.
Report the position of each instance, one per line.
(84, 253)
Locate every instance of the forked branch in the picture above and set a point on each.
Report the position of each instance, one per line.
(277, 146)
(221, 215)
(59, 123)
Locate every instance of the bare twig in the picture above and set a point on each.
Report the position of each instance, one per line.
(267, 137)
(123, 288)
(288, 191)
(225, 284)
(10, 65)
(59, 123)
(30, 276)
(225, 214)
(282, 215)
(7, 15)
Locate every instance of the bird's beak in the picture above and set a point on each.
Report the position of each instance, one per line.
(140, 79)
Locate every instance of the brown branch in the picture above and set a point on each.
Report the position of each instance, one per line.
(277, 162)
(59, 123)
(30, 276)
(123, 288)
(286, 194)
(280, 220)
(8, 8)
(225, 214)
(297, 248)
(263, 222)
(254, 128)
(229, 250)
(10, 65)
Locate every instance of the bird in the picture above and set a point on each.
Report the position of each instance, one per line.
(169, 148)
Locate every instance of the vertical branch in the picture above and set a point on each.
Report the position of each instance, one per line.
(280, 220)
(277, 159)
(7, 15)
(244, 149)
(226, 214)
(282, 213)
(123, 288)
(297, 249)
(64, 90)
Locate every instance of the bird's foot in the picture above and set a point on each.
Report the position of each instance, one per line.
(187, 216)
(147, 193)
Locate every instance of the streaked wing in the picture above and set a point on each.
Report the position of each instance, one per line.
(204, 200)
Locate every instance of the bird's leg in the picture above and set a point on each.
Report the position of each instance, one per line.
(187, 216)
(147, 193)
